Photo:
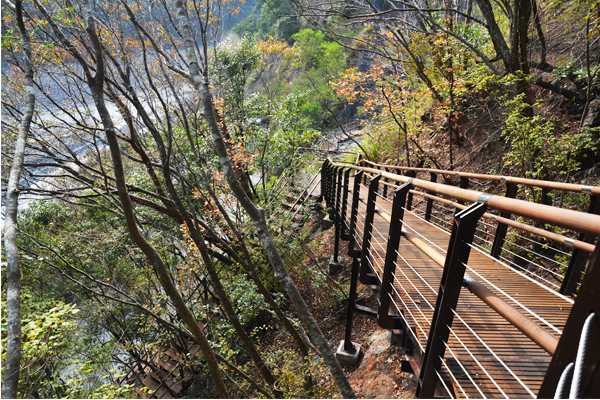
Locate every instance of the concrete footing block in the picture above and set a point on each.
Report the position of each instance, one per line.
(326, 223)
(348, 358)
(335, 266)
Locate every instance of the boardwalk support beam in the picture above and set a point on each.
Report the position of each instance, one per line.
(463, 230)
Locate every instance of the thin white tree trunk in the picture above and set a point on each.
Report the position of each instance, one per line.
(13, 268)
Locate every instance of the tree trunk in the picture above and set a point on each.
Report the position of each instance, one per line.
(96, 86)
(540, 33)
(524, 17)
(257, 216)
(13, 282)
(496, 36)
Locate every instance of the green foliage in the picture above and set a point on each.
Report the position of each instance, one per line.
(51, 342)
(290, 368)
(247, 301)
(378, 141)
(538, 150)
(265, 20)
(319, 60)
(231, 70)
(287, 128)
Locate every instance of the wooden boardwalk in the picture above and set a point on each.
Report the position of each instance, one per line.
(486, 356)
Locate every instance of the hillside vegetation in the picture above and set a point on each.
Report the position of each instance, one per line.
(149, 153)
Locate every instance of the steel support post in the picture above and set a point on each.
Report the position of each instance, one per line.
(355, 254)
(324, 182)
(587, 302)
(579, 258)
(463, 230)
(429, 206)
(344, 233)
(501, 229)
(366, 276)
(384, 319)
(348, 346)
(352, 251)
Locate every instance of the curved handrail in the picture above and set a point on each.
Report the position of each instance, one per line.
(569, 219)
(522, 181)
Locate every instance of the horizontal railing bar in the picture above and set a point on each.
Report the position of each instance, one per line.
(572, 187)
(578, 244)
(541, 337)
(327, 151)
(574, 220)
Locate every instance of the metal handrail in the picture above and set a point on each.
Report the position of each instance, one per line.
(522, 181)
(569, 219)
(575, 243)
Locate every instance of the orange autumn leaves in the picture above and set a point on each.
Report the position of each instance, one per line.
(379, 91)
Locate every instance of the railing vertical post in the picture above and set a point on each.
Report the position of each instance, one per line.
(545, 198)
(429, 206)
(409, 200)
(385, 187)
(464, 184)
(366, 276)
(501, 229)
(337, 215)
(338, 190)
(383, 315)
(344, 233)
(463, 230)
(332, 186)
(586, 303)
(579, 258)
(352, 251)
